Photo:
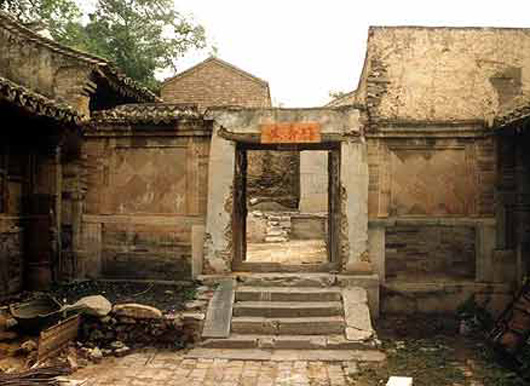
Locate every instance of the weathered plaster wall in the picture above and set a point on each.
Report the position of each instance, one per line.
(314, 182)
(430, 176)
(443, 74)
(146, 190)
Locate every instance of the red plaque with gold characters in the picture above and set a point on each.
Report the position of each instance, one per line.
(292, 132)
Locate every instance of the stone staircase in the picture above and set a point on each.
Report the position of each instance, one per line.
(278, 228)
(276, 320)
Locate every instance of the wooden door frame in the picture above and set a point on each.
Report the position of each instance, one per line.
(239, 209)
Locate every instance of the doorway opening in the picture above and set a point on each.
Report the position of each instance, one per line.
(286, 209)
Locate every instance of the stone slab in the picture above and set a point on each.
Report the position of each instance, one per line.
(137, 311)
(357, 314)
(197, 248)
(279, 294)
(370, 283)
(219, 313)
(287, 309)
(288, 355)
(287, 342)
(399, 381)
(288, 279)
(277, 326)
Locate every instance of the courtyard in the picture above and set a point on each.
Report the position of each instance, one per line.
(429, 350)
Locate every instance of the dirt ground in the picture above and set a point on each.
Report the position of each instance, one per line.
(431, 350)
(166, 297)
(292, 252)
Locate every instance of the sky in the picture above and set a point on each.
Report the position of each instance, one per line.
(307, 49)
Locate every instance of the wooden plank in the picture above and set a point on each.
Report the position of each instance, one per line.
(219, 313)
(56, 337)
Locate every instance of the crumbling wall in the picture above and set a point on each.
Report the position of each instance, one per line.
(443, 74)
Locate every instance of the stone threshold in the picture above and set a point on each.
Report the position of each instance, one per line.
(288, 355)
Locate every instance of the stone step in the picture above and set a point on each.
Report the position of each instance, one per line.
(276, 232)
(273, 218)
(288, 326)
(287, 309)
(368, 356)
(288, 294)
(278, 279)
(276, 239)
(288, 342)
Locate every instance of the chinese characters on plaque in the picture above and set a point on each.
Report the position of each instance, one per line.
(295, 132)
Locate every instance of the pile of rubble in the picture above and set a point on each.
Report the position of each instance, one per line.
(102, 329)
(135, 325)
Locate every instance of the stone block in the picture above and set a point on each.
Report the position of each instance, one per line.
(137, 311)
(399, 381)
(370, 283)
(357, 314)
(197, 248)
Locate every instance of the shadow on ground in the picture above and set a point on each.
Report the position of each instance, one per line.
(431, 350)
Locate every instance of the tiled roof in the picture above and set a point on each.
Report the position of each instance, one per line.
(518, 110)
(147, 113)
(118, 80)
(37, 104)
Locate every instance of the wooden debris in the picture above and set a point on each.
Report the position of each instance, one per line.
(35, 377)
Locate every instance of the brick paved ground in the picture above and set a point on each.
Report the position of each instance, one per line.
(155, 368)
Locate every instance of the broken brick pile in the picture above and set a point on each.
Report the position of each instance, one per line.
(135, 325)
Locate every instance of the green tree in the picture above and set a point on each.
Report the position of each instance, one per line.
(141, 36)
(60, 17)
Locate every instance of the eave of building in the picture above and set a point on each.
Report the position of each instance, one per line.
(147, 113)
(38, 105)
(512, 116)
(118, 81)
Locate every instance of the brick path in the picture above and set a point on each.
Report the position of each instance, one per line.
(152, 368)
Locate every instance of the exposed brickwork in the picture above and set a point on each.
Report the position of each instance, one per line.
(146, 251)
(11, 261)
(423, 253)
(486, 168)
(216, 83)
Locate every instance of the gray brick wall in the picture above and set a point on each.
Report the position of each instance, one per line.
(422, 253)
(214, 84)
